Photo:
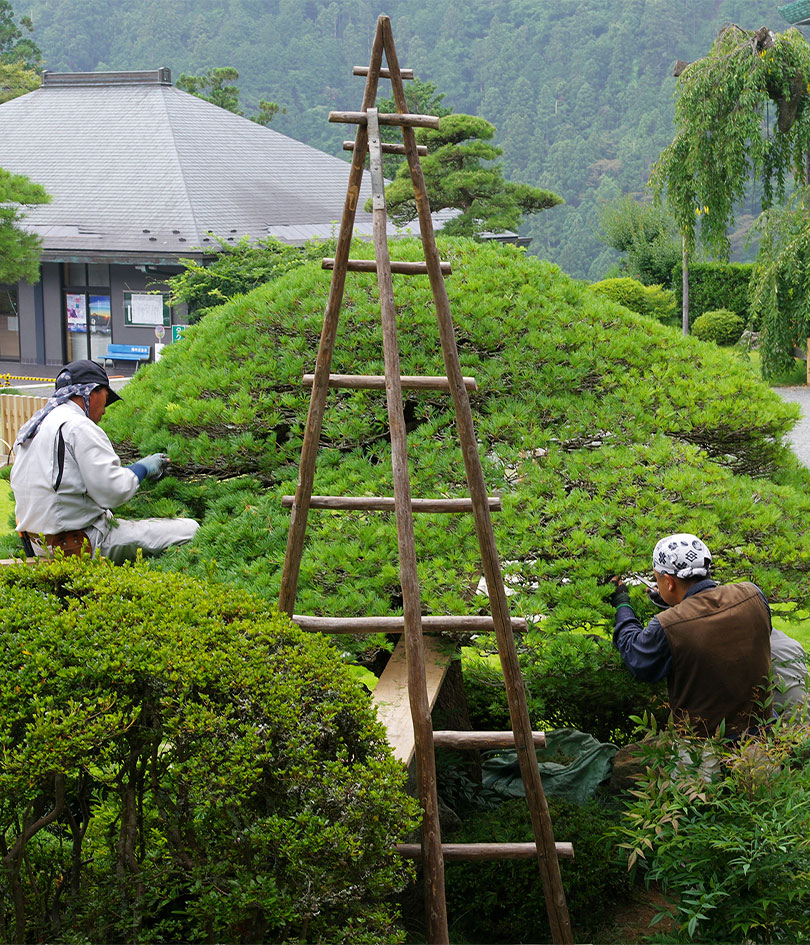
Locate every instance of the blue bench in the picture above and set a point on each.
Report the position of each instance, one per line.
(136, 353)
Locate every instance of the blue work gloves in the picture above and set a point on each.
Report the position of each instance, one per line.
(155, 465)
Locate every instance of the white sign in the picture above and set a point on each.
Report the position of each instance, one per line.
(147, 309)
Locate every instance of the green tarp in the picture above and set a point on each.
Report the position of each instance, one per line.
(571, 765)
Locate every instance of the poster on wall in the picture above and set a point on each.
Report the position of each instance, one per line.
(76, 312)
(147, 309)
(100, 314)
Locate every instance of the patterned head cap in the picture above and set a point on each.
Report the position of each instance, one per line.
(685, 556)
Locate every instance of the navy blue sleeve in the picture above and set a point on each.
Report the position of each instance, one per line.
(644, 650)
(139, 469)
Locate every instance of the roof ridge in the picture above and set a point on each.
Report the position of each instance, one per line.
(198, 236)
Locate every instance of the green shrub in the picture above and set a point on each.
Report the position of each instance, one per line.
(595, 425)
(713, 286)
(503, 901)
(573, 680)
(722, 327)
(732, 855)
(179, 764)
(652, 300)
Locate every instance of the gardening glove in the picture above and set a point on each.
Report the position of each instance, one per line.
(155, 464)
(620, 594)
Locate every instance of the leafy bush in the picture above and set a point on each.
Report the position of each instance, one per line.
(652, 300)
(732, 855)
(713, 286)
(573, 680)
(595, 425)
(179, 764)
(722, 327)
(503, 901)
(237, 268)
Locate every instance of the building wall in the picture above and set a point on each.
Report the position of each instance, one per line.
(42, 312)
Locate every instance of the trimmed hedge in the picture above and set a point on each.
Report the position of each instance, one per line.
(722, 327)
(180, 764)
(714, 286)
(652, 300)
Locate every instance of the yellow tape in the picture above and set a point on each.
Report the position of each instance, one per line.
(6, 378)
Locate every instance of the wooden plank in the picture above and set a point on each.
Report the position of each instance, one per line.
(385, 503)
(377, 381)
(389, 148)
(458, 852)
(404, 267)
(404, 119)
(414, 643)
(390, 695)
(320, 388)
(384, 73)
(548, 864)
(430, 624)
(483, 740)
(6, 562)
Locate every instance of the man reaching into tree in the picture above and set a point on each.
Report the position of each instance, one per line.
(66, 477)
(712, 643)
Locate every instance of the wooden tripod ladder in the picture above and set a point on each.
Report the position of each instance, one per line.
(412, 624)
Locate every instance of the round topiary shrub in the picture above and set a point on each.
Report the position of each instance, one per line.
(720, 326)
(652, 300)
(180, 764)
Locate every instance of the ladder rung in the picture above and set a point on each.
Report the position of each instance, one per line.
(388, 147)
(432, 624)
(402, 266)
(386, 118)
(385, 503)
(485, 851)
(384, 73)
(377, 382)
(464, 739)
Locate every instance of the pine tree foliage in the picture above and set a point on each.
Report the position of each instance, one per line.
(19, 251)
(599, 429)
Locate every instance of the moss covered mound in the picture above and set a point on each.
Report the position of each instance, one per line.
(601, 428)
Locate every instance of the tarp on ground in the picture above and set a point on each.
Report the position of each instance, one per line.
(571, 765)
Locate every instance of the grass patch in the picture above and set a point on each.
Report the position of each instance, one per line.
(6, 508)
(795, 377)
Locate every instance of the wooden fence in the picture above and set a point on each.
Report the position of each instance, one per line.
(15, 409)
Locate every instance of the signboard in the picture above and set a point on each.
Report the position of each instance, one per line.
(160, 331)
(178, 331)
(146, 308)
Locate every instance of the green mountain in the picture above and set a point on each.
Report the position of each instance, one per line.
(581, 91)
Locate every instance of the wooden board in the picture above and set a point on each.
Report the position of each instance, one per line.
(391, 693)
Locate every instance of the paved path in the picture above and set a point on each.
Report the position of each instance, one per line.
(800, 435)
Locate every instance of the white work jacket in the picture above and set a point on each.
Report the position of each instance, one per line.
(93, 479)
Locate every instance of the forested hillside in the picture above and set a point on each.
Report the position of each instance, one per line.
(581, 91)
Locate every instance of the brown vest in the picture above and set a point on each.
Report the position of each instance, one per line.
(721, 657)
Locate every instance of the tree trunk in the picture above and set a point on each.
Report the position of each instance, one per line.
(685, 287)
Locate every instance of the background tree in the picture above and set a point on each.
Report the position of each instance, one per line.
(20, 57)
(646, 234)
(217, 86)
(457, 177)
(19, 251)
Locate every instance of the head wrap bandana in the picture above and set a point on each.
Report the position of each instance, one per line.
(682, 555)
(30, 429)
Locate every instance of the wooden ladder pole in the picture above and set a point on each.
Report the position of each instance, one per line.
(521, 725)
(320, 387)
(424, 753)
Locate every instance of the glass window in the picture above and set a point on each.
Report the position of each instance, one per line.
(98, 274)
(75, 274)
(9, 324)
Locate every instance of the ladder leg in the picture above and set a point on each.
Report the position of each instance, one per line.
(432, 856)
(320, 386)
(541, 820)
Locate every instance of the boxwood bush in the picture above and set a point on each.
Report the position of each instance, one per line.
(652, 300)
(722, 327)
(180, 764)
(714, 285)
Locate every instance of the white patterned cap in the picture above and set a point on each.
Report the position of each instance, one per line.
(685, 556)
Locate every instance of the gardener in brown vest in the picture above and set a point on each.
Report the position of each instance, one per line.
(712, 643)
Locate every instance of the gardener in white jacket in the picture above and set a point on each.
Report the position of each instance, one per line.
(66, 477)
